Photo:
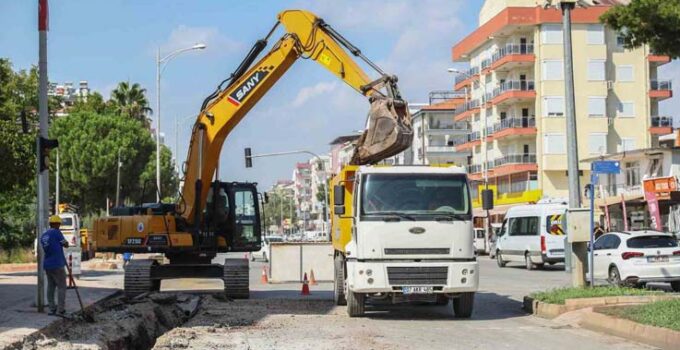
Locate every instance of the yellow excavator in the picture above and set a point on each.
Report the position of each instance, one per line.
(213, 217)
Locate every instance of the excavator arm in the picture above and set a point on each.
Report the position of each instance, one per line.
(308, 37)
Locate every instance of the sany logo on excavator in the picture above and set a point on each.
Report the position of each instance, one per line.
(243, 90)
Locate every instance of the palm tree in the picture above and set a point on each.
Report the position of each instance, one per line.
(130, 100)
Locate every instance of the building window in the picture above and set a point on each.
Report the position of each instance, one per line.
(597, 143)
(626, 110)
(596, 70)
(655, 168)
(503, 184)
(551, 34)
(627, 144)
(553, 70)
(632, 174)
(518, 183)
(597, 106)
(624, 73)
(554, 144)
(620, 42)
(595, 34)
(533, 181)
(553, 106)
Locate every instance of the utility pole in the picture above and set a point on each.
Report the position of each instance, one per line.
(158, 125)
(42, 172)
(570, 104)
(56, 195)
(117, 181)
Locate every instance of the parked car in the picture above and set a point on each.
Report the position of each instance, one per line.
(637, 257)
(265, 252)
(532, 234)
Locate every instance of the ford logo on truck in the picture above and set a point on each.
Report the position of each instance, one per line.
(416, 230)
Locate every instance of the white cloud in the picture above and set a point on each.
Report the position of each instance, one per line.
(309, 92)
(185, 36)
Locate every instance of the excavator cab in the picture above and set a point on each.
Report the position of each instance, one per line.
(232, 212)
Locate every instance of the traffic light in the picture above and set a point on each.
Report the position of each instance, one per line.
(45, 145)
(487, 199)
(249, 160)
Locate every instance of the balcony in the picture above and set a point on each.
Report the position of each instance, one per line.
(512, 56)
(514, 163)
(466, 78)
(440, 127)
(444, 151)
(514, 127)
(658, 60)
(661, 89)
(473, 139)
(513, 91)
(474, 168)
(661, 125)
(466, 110)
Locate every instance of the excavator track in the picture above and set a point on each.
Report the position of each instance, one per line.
(236, 278)
(138, 278)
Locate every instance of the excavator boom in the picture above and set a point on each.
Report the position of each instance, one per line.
(388, 129)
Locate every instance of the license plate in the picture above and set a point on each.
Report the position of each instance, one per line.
(656, 259)
(416, 290)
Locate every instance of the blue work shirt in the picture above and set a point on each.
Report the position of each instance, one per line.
(51, 242)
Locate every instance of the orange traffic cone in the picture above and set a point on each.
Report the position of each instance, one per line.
(312, 279)
(305, 286)
(264, 279)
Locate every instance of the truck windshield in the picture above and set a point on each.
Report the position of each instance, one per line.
(415, 195)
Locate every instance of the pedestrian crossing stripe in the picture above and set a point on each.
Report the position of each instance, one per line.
(555, 225)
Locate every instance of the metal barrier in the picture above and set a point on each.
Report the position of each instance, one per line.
(289, 261)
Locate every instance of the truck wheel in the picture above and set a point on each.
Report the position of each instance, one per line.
(463, 305)
(355, 304)
(499, 259)
(528, 263)
(339, 283)
(676, 286)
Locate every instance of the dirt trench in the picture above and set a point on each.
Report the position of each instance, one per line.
(119, 324)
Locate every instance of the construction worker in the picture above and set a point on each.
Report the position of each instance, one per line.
(53, 242)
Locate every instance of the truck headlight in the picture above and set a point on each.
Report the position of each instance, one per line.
(370, 281)
(465, 271)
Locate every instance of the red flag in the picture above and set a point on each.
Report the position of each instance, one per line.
(43, 15)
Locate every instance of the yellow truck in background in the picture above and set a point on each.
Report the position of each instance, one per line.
(403, 234)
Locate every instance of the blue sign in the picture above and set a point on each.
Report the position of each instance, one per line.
(606, 167)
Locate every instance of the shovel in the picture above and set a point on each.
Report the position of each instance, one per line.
(86, 315)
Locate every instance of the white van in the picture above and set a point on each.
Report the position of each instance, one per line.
(533, 235)
(481, 241)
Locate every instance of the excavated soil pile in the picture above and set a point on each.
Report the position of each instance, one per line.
(119, 324)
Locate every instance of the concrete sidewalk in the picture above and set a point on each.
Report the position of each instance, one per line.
(19, 316)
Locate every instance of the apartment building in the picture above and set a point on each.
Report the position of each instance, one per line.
(303, 190)
(515, 98)
(319, 170)
(342, 149)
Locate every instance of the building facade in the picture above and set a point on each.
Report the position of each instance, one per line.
(515, 97)
(302, 179)
(319, 170)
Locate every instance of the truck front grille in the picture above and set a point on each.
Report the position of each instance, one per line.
(417, 276)
(416, 251)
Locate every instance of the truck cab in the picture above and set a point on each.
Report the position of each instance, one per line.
(403, 233)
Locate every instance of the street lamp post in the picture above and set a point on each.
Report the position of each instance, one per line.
(159, 65)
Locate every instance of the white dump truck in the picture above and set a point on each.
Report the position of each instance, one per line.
(402, 234)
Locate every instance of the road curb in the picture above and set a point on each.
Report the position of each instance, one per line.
(627, 329)
(6, 268)
(550, 311)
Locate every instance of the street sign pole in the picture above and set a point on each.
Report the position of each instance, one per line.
(591, 261)
(596, 168)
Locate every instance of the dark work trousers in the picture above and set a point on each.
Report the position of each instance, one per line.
(56, 278)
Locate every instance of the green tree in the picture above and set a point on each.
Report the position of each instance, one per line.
(279, 206)
(169, 180)
(94, 102)
(89, 145)
(130, 100)
(652, 22)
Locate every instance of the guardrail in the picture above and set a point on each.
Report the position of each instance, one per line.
(467, 74)
(512, 49)
(528, 158)
(467, 106)
(514, 122)
(658, 121)
(662, 85)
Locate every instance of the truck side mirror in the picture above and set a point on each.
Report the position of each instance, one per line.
(339, 199)
(487, 199)
(266, 198)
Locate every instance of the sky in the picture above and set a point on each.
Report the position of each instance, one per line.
(105, 42)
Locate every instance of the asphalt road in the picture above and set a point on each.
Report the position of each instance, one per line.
(287, 320)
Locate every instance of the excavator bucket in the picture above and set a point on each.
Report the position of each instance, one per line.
(389, 131)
